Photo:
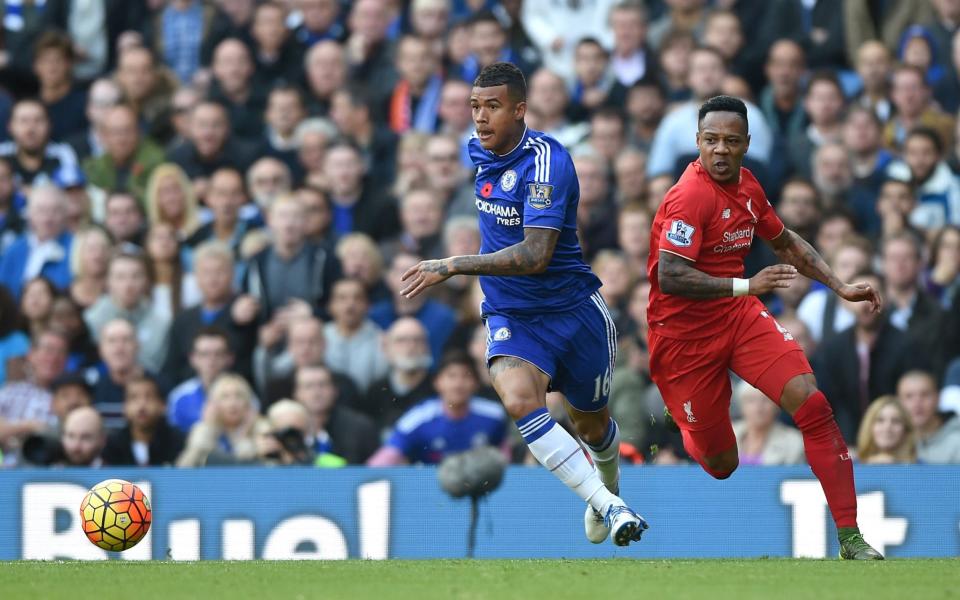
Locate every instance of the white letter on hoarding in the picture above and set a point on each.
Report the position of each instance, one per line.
(184, 539)
(374, 507)
(324, 534)
(809, 517)
(39, 537)
(144, 549)
(878, 530)
(237, 539)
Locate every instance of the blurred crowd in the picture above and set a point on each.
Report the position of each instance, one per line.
(206, 207)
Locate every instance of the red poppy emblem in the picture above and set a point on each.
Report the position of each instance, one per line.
(486, 190)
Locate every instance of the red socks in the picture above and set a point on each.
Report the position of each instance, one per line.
(828, 457)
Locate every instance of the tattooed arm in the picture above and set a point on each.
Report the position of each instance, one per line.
(529, 257)
(678, 277)
(794, 250)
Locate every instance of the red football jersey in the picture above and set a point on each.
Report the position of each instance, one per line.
(712, 225)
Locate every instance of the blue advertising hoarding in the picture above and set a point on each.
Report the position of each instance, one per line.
(288, 513)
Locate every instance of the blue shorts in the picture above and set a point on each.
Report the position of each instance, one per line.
(576, 348)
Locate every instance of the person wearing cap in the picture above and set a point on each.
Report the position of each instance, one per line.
(26, 406)
(73, 182)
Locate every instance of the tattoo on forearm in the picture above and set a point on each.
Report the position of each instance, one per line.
(678, 277)
(796, 251)
(530, 256)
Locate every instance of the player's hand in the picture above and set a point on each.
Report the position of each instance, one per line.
(771, 278)
(423, 275)
(861, 292)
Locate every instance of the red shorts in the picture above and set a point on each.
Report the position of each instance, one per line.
(693, 377)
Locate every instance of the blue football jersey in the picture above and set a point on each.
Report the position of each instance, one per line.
(425, 434)
(533, 185)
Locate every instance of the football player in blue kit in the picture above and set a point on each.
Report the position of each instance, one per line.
(548, 327)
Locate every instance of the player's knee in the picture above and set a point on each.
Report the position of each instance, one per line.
(723, 465)
(797, 391)
(591, 431)
(520, 401)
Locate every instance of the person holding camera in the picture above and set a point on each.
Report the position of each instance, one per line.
(289, 441)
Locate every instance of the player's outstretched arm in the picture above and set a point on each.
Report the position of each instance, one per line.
(677, 276)
(529, 257)
(793, 249)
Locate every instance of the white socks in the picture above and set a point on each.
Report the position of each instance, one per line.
(606, 456)
(561, 455)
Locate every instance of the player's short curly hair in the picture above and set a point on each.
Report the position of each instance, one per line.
(724, 104)
(503, 73)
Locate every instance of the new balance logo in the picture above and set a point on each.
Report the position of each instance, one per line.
(725, 214)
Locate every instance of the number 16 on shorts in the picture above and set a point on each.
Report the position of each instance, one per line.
(601, 387)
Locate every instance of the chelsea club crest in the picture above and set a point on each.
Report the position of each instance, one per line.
(508, 180)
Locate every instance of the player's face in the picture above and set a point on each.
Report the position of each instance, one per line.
(497, 117)
(722, 141)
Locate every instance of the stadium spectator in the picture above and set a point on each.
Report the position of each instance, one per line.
(646, 105)
(219, 307)
(682, 15)
(210, 356)
(361, 259)
(357, 206)
(406, 346)
(937, 433)
(913, 106)
(226, 434)
(128, 297)
(630, 177)
(421, 221)
(608, 134)
(943, 275)
(415, 99)
(886, 434)
(862, 362)
(286, 441)
(823, 103)
(25, 406)
(446, 176)
(354, 343)
(454, 112)
(177, 32)
(333, 428)
(597, 231)
(613, 270)
(182, 104)
(118, 346)
(44, 249)
(36, 302)
(325, 66)
(352, 112)
(147, 439)
(454, 421)
(173, 287)
(268, 179)
(556, 32)
(286, 109)
(124, 219)
(291, 270)
(146, 86)
(547, 103)
(675, 140)
(53, 60)
(233, 86)
(317, 217)
(66, 316)
(104, 93)
(438, 318)
(874, 66)
(210, 146)
(70, 391)
(128, 158)
(594, 83)
(14, 343)
(11, 222)
(169, 198)
(761, 438)
(33, 154)
(912, 309)
(631, 59)
(832, 175)
(225, 196)
(277, 56)
(73, 182)
(311, 137)
(862, 136)
(275, 364)
(83, 438)
(821, 311)
(799, 208)
(319, 20)
(937, 187)
(89, 259)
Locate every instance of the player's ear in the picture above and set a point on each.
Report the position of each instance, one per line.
(520, 110)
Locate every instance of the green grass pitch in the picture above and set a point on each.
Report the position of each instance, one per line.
(780, 579)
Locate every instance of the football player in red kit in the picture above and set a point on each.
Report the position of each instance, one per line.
(705, 319)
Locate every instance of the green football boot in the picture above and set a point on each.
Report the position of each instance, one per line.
(854, 547)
